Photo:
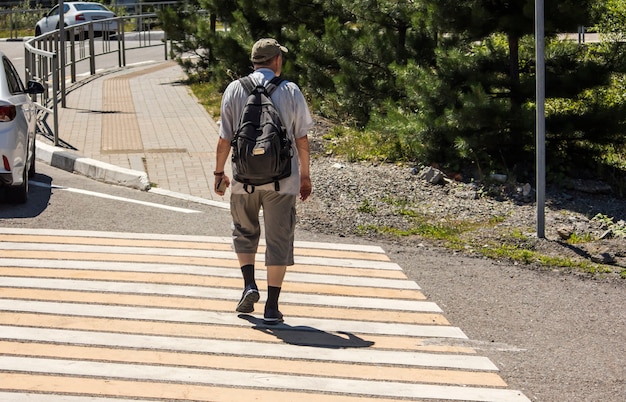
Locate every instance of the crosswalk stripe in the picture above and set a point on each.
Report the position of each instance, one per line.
(215, 270)
(200, 278)
(212, 317)
(267, 363)
(313, 266)
(102, 254)
(329, 289)
(88, 315)
(259, 349)
(194, 392)
(204, 304)
(190, 252)
(38, 233)
(260, 334)
(216, 245)
(250, 379)
(417, 305)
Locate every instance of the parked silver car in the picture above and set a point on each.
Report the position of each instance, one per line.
(78, 12)
(18, 124)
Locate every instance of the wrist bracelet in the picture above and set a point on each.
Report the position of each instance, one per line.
(218, 173)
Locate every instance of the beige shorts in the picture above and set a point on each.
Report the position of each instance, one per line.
(279, 217)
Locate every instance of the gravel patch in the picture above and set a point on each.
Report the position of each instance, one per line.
(395, 203)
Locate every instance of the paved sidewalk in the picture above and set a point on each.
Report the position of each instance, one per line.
(138, 127)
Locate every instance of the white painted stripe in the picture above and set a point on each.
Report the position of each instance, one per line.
(343, 280)
(248, 348)
(187, 197)
(175, 252)
(115, 198)
(141, 63)
(114, 235)
(217, 293)
(341, 247)
(348, 263)
(258, 380)
(190, 238)
(226, 318)
(356, 281)
(88, 248)
(30, 397)
(115, 266)
(183, 252)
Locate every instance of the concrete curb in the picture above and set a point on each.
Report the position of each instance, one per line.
(91, 168)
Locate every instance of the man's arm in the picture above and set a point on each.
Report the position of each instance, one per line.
(302, 144)
(223, 149)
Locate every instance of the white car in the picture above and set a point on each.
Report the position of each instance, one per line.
(78, 12)
(18, 124)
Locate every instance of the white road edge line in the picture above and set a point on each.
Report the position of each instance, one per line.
(115, 198)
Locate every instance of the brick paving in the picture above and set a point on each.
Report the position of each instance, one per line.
(143, 118)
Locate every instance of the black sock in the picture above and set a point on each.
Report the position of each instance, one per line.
(248, 275)
(272, 297)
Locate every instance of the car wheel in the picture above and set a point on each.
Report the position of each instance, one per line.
(37, 31)
(19, 194)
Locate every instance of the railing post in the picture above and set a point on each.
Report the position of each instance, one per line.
(62, 62)
(165, 44)
(72, 59)
(55, 90)
(122, 44)
(92, 51)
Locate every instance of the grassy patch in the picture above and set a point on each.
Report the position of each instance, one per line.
(526, 256)
(366, 207)
(359, 145)
(575, 238)
(209, 96)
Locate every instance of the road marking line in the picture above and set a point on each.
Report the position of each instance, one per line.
(228, 318)
(260, 364)
(256, 380)
(115, 198)
(224, 293)
(206, 253)
(186, 238)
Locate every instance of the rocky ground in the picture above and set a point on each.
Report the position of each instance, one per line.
(584, 224)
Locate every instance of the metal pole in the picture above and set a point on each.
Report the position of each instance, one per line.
(541, 118)
(62, 52)
(55, 89)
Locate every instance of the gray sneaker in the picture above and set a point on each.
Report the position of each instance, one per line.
(248, 298)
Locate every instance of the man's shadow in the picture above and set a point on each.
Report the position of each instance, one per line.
(307, 336)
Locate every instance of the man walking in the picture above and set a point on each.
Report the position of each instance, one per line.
(278, 201)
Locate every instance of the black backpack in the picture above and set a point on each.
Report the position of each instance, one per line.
(261, 149)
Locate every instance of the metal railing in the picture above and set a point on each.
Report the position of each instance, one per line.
(52, 58)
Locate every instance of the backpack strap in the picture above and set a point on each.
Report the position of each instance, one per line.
(273, 84)
(247, 84)
(270, 88)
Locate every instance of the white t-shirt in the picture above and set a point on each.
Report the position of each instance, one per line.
(294, 114)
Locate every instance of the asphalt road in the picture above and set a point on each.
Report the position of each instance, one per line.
(555, 337)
